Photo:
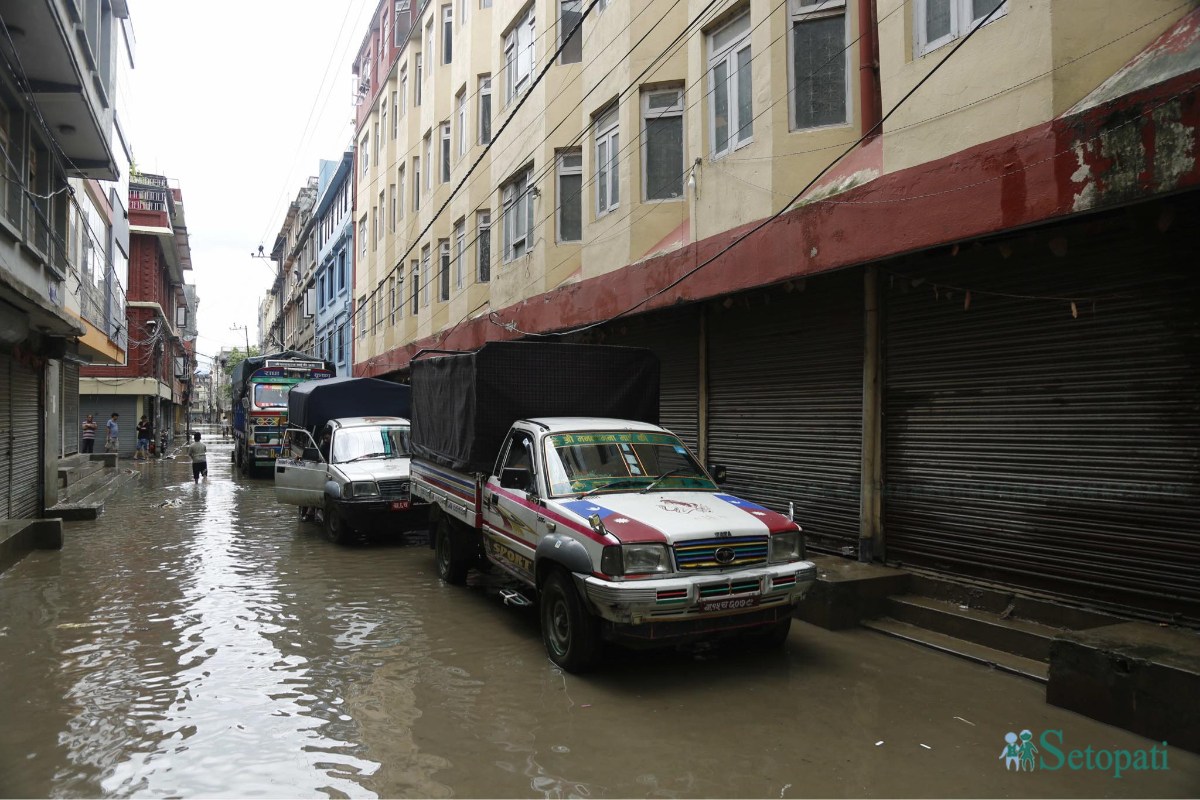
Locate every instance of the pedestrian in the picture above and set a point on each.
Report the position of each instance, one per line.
(111, 442)
(145, 432)
(197, 450)
(89, 434)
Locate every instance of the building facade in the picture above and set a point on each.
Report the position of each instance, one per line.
(155, 379)
(295, 254)
(335, 262)
(913, 267)
(61, 265)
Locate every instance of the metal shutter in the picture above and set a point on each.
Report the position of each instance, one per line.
(71, 421)
(785, 402)
(1037, 448)
(22, 439)
(5, 433)
(101, 406)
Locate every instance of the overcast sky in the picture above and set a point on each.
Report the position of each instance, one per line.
(220, 97)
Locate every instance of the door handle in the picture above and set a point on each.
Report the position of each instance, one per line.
(550, 526)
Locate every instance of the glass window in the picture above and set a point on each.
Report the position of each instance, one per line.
(663, 163)
(569, 14)
(518, 54)
(620, 461)
(352, 444)
(485, 109)
(460, 105)
(819, 53)
(570, 195)
(608, 148)
(415, 269)
(443, 270)
(732, 107)
(445, 150)
(447, 33)
(460, 252)
(940, 21)
(483, 245)
(518, 214)
(426, 273)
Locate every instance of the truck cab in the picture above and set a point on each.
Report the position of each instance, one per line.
(353, 475)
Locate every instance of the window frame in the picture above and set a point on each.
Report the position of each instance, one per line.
(561, 170)
(564, 31)
(425, 262)
(728, 55)
(460, 102)
(515, 193)
(445, 151)
(485, 120)
(677, 109)
(460, 251)
(514, 82)
(483, 246)
(959, 10)
(799, 14)
(415, 271)
(606, 127)
(447, 18)
(443, 270)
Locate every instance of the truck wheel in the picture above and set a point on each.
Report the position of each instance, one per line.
(451, 565)
(336, 529)
(571, 632)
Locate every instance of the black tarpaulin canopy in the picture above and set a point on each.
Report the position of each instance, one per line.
(464, 404)
(313, 403)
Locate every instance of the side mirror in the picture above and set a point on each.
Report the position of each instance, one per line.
(515, 478)
(718, 472)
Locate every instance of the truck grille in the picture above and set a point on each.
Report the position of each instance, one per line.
(747, 550)
(394, 490)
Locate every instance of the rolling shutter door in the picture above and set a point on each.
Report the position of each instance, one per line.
(1040, 447)
(5, 434)
(785, 402)
(71, 421)
(23, 440)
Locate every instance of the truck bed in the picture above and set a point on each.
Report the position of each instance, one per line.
(457, 492)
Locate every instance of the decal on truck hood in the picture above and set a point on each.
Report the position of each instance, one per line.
(678, 516)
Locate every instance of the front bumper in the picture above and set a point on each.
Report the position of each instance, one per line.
(382, 515)
(712, 600)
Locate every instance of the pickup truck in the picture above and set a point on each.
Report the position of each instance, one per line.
(611, 523)
(351, 472)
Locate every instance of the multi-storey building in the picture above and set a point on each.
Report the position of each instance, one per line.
(155, 378)
(295, 254)
(913, 266)
(335, 262)
(61, 242)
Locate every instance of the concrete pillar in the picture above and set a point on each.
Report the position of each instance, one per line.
(870, 527)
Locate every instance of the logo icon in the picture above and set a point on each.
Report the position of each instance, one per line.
(1018, 751)
(725, 555)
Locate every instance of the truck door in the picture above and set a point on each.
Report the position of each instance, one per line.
(300, 474)
(510, 510)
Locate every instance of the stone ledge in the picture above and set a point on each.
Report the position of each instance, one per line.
(1141, 677)
(847, 592)
(18, 537)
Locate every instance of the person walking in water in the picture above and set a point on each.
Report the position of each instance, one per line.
(89, 434)
(111, 443)
(198, 451)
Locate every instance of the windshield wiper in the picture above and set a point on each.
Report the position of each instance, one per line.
(669, 474)
(610, 485)
(364, 456)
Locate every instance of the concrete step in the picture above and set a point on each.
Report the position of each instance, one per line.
(90, 505)
(998, 659)
(1003, 600)
(76, 468)
(85, 485)
(1007, 633)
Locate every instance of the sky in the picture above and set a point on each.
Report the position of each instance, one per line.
(238, 102)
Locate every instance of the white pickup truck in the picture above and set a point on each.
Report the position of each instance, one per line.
(616, 529)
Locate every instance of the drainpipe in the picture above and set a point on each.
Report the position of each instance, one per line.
(870, 101)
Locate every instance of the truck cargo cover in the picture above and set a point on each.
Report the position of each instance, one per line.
(313, 403)
(464, 404)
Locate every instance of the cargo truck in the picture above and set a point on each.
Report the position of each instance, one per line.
(260, 405)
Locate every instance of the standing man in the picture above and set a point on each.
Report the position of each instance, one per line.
(111, 443)
(144, 433)
(198, 451)
(89, 434)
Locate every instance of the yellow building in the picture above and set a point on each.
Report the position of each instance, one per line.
(910, 265)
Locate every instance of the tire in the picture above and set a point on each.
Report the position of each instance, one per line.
(336, 528)
(452, 564)
(570, 631)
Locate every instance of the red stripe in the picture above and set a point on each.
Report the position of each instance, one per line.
(556, 517)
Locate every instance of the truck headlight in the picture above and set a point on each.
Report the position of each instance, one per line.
(787, 547)
(635, 559)
(361, 489)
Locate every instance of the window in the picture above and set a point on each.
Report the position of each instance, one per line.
(445, 174)
(940, 21)
(428, 166)
(460, 251)
(321, 291)
(400, 191)
(570, 191)
(415, 269)
(392, 206)
(397, 107)
(463, 5)
(362, 318)
(485, 109)
(378, 127)
(329, 287)
(518, 215)
(400, 292)
(483, 246)
(341, 271)
(819, 53)
(420, 79)
(443, 270)
(732, 117)
(485, 3)
(429, 42)
(518, 55)
(460, 105)
(608, 145)
(569, 14)
(416, 170)
(382, 211)
(662, 138)
(362, 236)
(425, 272)
(447, 33)
(392, 300)
(403, 93)
(364, 155)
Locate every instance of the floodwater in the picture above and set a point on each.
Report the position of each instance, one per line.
(199, 640)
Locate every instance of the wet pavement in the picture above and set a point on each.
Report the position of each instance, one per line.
(199, 640)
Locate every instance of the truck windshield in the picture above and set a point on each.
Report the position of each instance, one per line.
(271, 395)
(352, 444)
(628, 460)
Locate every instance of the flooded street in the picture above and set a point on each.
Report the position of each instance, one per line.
(199, 640)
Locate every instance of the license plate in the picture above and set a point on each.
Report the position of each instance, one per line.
(400, 505)
(728, 604)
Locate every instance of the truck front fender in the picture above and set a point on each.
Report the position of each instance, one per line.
(557, 548)
(333, 489)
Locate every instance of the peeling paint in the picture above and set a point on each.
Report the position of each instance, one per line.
(1174, 147)
(838, 186)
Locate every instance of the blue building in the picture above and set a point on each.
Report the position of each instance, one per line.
(335, 261)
